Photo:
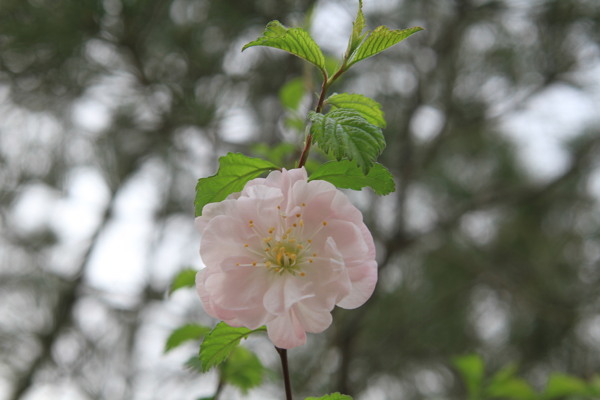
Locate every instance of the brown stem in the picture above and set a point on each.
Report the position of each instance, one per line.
(286, 372)
(327, 82)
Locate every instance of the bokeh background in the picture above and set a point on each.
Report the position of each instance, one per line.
(111, 110)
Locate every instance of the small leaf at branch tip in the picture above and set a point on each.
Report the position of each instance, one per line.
(378, 40)
(296, 41)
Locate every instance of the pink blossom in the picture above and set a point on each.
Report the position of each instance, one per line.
(282, 253)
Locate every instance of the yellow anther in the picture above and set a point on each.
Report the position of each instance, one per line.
(254, 264)
(267, 239)
(280, 254)
(294, 225)
(302, 274)
(246, 245)
(309, 240)
(314, 254)
(310, 260)
(298, 215)
(303, 204)
(324, 223)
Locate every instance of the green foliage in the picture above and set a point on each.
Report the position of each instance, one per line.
(184, 334)
(235, 170)
(221, 342)
(291, 94)
(185, 278)
(279, 154)
(346, 134)
(368, 108)
(242, 369)
(357, 35)
(333, 396)
(471, 369)
(504, 384)
(561, 385)
(293, 40)
(347, 175)
(379, 40)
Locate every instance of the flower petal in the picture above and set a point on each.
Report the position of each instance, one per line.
(286, 331)
(285, 291)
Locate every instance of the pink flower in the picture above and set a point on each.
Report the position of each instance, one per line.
(283, 253)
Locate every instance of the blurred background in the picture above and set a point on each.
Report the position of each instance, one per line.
(110, 110)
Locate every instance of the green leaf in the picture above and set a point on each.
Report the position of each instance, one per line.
(194, 363)
(505, 384)
(367, 107)
(293, 40)
(333, 396)
(515, 389)
(346, 134)
(242, 369)
(185, 278)
(560, 385)
(472, 370)
(357, 35)
(184, 334)
(378, 40)
(292, 93)
(219, 344)
(235, 170)
(346, 174)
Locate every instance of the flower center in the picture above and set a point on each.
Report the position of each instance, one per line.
(284, 247)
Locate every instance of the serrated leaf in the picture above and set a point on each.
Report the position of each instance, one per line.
(221, 341)
(471, 369)
(346, 134)
(367, 107)
(185, 278)
(242, 369)
(379, 40)
(184, 334)
(560, 385)
(235, 170)
(333, 396)
(357, 35)
(293, 40)
(346, 175)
